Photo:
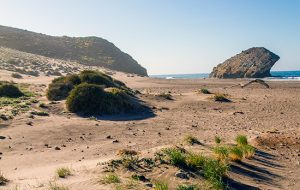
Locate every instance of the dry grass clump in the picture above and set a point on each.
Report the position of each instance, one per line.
(191, 140)
(165, 95)
(187, 187)
(54, 186)
(221, 98)
(63, 172)
(16, 75)
(110, 178)
(218, 140)
(236, 153)
(241, 140)
(127, 152)
(222, 153)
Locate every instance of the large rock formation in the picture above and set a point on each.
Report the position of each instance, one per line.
(93, 51)
(255, 62)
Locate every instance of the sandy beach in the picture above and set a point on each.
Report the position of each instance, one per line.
(33, 148)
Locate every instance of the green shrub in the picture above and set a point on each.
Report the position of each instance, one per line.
(90, 99)
(187, 187)
(217, 140)
(248, 151)
(10, 90)
(236, 153)
(204, 91)
(175, 156)
(40, 113)
(96, 77)
(59, 89)
(63, 172)
(195, 161)
(221, 98)
(221, 152)
(160, 185)
(241, 140)
(214, 171)
(3, 180)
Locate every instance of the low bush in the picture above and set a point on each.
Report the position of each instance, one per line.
(40, 113)
(10, 90)
(96, 77)
(63, 172)
(218, 140)
(236, 153)
(175, 156)
(59, 89)
(221, 98)
(204, 91)
(221, 153)
(54, 186)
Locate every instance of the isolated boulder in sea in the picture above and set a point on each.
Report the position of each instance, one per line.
(255, 62)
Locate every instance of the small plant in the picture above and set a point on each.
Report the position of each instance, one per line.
(217, 140)
(204, 91)
(40, 113)
(191, 140)
(110, 178)
(241, 140)
(195, 161)
(236, 153)
(248, 151)
(161, 185)
(63, 172)
(130, 162)
(221, 98)
(175, 156)
(187, 187)
(214, 171)
(3, 180)
(222, 153)
(127, 152)
(54, 186)
(43, 105)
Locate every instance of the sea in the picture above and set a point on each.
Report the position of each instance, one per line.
(276, 75)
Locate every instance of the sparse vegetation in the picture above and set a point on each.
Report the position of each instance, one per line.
(248, 151)
(161, 185)
(54, 186)
(187, 187)
(110, 178)
(63, 172)
(175, 156)
(221, 153)
(191, 140)
(221, 98)
(195, 161)
(3, 180)
(204, 91)
(40, 113)
(218, 140)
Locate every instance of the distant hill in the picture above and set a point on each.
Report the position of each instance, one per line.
(93, 51)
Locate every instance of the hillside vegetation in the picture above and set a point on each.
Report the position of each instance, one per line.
(92, 51)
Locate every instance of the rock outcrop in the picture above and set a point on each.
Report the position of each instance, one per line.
(255, 62)
(91, 51)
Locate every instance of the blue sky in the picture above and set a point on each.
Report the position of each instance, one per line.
(170, 36)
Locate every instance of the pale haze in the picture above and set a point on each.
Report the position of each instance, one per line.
(170, 36)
